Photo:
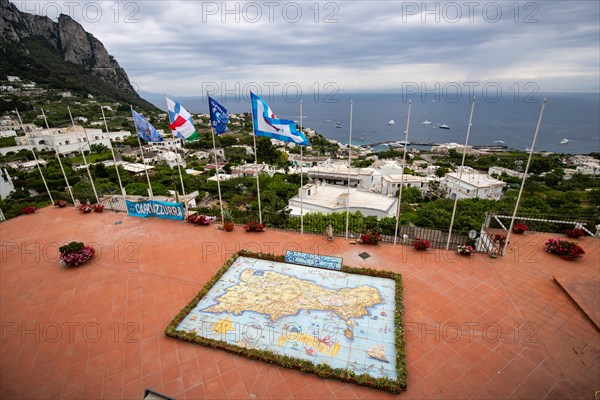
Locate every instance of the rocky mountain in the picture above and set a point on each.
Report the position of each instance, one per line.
(27, 40)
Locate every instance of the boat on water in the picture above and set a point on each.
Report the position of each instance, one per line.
(444, 126)
(426, 122)
(392, 122)
(377, 353)
(338, 125)
(499, 141)
(564, 141)
(403, 142)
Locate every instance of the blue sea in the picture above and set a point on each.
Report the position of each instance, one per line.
(512, 121)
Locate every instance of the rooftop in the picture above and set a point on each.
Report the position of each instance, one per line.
(327, 196)
(475, 178)
(475, 327)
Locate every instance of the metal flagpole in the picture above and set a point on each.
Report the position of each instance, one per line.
(212, 130)
(35, 158)
(462, 165)
(512, 220)
(185, 203)
(402, 172)
(58, 156)
(144, 161)
(349, 166)
(87, 167)
(301, 179)
(114, 159)
(256, 169)
(181, 180)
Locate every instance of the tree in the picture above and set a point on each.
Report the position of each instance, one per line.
(441, 172)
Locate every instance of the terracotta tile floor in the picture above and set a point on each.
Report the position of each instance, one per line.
(475, 327)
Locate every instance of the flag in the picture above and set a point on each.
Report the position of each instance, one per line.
(219, 117)
(182, 123)
(144, 129)
(267, 124)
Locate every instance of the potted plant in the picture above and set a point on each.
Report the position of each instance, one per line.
(563, 248)
(254, 226)
(75, 253)
(60, 203)
(85, 208)
(421, 244)
(228, 223)
(371, 237)
(28, 210)
(97, 207)
(575, 233)
(198, 219)
(465, 249)
(519, 228)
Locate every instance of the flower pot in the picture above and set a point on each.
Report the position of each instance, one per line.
(518, 231)
(98, 210)
(228, 226)
(573, 235)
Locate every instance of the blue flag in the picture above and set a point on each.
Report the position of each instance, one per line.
(144, 129)
(267, 124)
(219, 117)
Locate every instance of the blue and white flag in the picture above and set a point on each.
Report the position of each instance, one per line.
(144, 129)
(219, 117)
(267, 124)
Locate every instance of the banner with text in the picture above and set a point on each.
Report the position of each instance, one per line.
(153, 208)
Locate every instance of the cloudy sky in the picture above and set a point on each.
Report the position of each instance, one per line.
(186, 47)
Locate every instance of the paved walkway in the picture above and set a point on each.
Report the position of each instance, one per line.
(475, 327)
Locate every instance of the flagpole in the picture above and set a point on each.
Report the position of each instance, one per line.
(512, 220)
(349, 166)
(114, 158)
(402, 172)
(462, 165)
(256, 169)
(144, 161)
(212, 130)
(58, 156)
(185, 203)
(301, 180)
(182, 186)
(87, 167)
(35, 158)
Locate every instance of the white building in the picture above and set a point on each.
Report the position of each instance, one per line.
(591, 167)
(6, 184)
(338, 174)
(70, 139)
(27, 165)
(459, 148)
(8, 133)
(509, 172)
(12, 78)
(168, 144)
(309, 161)
(326, 199)
(471, 184)
(172, 159)
(391, 183)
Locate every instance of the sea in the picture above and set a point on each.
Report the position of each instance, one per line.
(502, 121)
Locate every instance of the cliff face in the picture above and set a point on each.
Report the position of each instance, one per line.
(68, 37)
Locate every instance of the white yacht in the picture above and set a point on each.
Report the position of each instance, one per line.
(564, 141)
(426, 122)
(392, 122)
(444, 126)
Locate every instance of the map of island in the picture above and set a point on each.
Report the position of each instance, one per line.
(293, 296)
(325, 316)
